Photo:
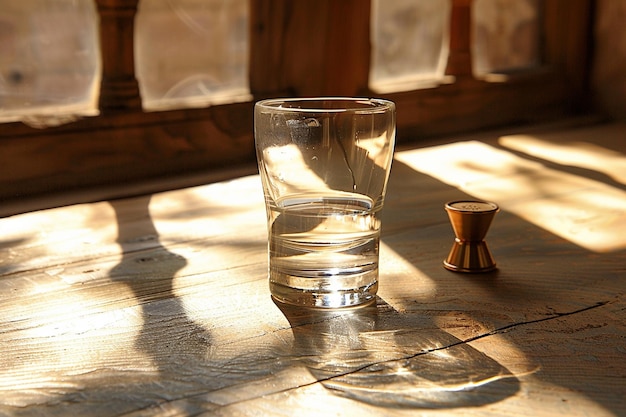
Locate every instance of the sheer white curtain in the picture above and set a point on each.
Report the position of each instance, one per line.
(49, 61)
(191, 53)
(506, 35)
(409, 44)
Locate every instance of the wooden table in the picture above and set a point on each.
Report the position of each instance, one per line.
(159, 305)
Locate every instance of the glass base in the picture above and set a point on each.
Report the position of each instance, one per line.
(324, 299)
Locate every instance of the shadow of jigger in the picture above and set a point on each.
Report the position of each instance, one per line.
(470, 222)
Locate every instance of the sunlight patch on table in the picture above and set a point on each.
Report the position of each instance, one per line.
(391, 265)
(577, 153)
(586, 212)
(63, 336)
(229, 303)
(462, 163)
(245, 191)
(229, 208)
(42, 233)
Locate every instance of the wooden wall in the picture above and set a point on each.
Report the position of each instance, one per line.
(609, 69)
(126, 151)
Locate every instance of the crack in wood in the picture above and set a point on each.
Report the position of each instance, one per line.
(405, 358)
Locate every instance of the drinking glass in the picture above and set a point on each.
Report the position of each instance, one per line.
(324, 164)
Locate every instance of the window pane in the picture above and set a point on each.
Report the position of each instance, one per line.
(49, 61)
(505, 35)
(191, 53)
(409, 44)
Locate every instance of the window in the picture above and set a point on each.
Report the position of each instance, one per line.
(49, 65)
(202, 57)
(505, 36)
(409, 44)
(164, 127)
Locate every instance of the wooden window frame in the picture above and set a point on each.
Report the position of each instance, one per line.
(298, 48)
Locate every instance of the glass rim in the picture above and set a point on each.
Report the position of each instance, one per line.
(351, 104)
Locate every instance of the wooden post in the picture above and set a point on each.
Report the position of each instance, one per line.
(119, 87)
(460, 55)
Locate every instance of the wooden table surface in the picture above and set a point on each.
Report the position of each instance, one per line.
(159, 305)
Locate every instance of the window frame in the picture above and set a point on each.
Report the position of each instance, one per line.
(293, 52)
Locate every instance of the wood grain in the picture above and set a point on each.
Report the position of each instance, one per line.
(159, 305)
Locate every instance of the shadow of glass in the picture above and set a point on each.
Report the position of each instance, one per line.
(385, 359)
(519, 245)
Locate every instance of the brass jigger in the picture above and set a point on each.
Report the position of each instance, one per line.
(470, 222)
